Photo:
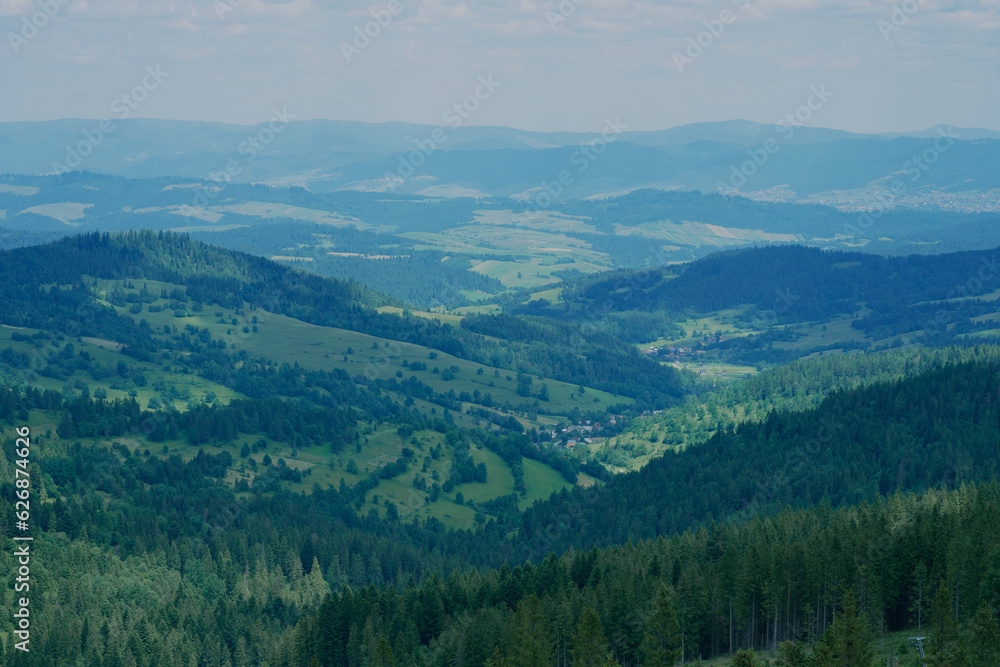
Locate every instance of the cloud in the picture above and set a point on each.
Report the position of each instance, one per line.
(601, 56)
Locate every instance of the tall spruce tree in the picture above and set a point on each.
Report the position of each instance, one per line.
(661, 645)
(848, 642)
(945, 646)
(984, 638)
(530, 643)
(590, 646)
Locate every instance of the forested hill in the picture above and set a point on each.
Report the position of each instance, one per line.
(28, 275)
(931, 559)
(46, 287)
(806, 283)
(937, 428)
(227, 275)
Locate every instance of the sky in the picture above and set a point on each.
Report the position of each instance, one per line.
(881, 66)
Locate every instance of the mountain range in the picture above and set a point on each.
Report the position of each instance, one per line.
(942, 166)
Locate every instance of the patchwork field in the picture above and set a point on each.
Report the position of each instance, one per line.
(286, 340)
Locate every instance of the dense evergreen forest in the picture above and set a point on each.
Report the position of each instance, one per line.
(752, 579)
(780, 300)
(939, 427)
(821, 284)
(798, 385)
(809, 512)
(176, 570)
(835, 579)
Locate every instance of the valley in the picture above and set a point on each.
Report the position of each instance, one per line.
(360, 424)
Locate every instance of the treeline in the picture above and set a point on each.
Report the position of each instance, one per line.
(17, 238)
(940, 427)
(929, 562)
(284, 421)
(109, 195)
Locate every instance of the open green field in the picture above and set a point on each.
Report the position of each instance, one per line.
(535, 273)
(413, 502)
(65, 212)
(553, 295)
(717, 370)
(541, 482)
(485, 309)
(831, 333)
(499, 480)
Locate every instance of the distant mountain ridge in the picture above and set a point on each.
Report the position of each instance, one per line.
(765, 161)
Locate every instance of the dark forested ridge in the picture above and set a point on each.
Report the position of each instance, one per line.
(938, 428)
(820, 283)
(771, 305)
(930, 560)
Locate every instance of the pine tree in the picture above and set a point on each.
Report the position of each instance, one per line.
(590, 646)
(662, 641)
(984, 638)
(529, 642)
(383, 656)
(989, 588)
(919, 594)
(944, 646)
(848, 642)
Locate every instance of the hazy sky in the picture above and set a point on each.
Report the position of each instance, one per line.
(555, 65)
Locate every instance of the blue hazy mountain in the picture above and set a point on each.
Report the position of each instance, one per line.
(321, 155)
